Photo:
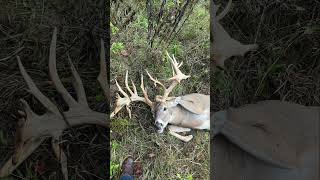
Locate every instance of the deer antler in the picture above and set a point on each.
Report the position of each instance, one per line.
(126, 100)
(176, 78)
(33, 129)
(224, 46)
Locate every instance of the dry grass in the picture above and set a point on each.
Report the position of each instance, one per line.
(162, 156)
(286, 66)
(25, 30)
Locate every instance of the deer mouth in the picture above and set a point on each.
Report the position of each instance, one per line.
(160, 130)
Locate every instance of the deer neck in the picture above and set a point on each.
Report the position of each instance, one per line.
(177, 116)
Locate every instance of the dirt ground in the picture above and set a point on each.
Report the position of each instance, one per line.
(25, 29)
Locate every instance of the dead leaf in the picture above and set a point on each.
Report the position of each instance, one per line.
(124, 53)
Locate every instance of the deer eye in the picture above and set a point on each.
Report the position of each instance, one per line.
(164, 109)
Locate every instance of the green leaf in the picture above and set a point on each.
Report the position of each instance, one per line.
(116, 47)
(100, 97)
(114, 29)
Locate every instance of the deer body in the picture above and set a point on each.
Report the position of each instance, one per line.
(185, 118)
(180, 112)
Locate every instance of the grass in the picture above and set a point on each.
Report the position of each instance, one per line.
(286, 65)
(162, 156)
(29, 25)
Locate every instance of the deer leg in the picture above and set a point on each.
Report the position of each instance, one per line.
(178, 129)
(174, 130)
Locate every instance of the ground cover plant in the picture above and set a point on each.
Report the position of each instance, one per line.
(286, 65)
(25, 29)
(162, 156)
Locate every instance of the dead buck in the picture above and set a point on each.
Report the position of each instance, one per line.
(223, 46)
(184, 113)
(33, 129)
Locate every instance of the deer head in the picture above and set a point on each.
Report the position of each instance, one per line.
(163, 108)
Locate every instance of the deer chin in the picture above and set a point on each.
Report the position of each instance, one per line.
(160, 131)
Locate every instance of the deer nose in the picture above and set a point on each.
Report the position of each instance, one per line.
(158, 124)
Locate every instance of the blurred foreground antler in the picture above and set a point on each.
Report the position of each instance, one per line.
(223, 46)
(33, 129)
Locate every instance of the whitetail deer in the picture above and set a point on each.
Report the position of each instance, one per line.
(223, 46)
(184, 113)
(33, 129)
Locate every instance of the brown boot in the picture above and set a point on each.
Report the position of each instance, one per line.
(127, 166)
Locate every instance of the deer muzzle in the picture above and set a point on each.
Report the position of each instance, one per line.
(160, 125)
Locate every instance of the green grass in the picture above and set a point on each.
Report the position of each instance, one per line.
(162, 156)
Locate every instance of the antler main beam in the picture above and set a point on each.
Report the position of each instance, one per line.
(33, 129)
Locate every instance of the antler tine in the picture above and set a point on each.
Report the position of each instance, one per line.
(155, 81)
(120, 90)
(35, 91)
(121, 101)
(178, 74)
(145, 94)
(176, 78)
(19, 141)
(54, 74)
(126, 100)
(225, 11)
(27, 109)
(28, 148)
(134, 87)
(102, 78)
(78, 85)
(127, 85)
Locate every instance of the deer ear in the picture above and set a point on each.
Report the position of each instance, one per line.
(192, 104)
(176, 101)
